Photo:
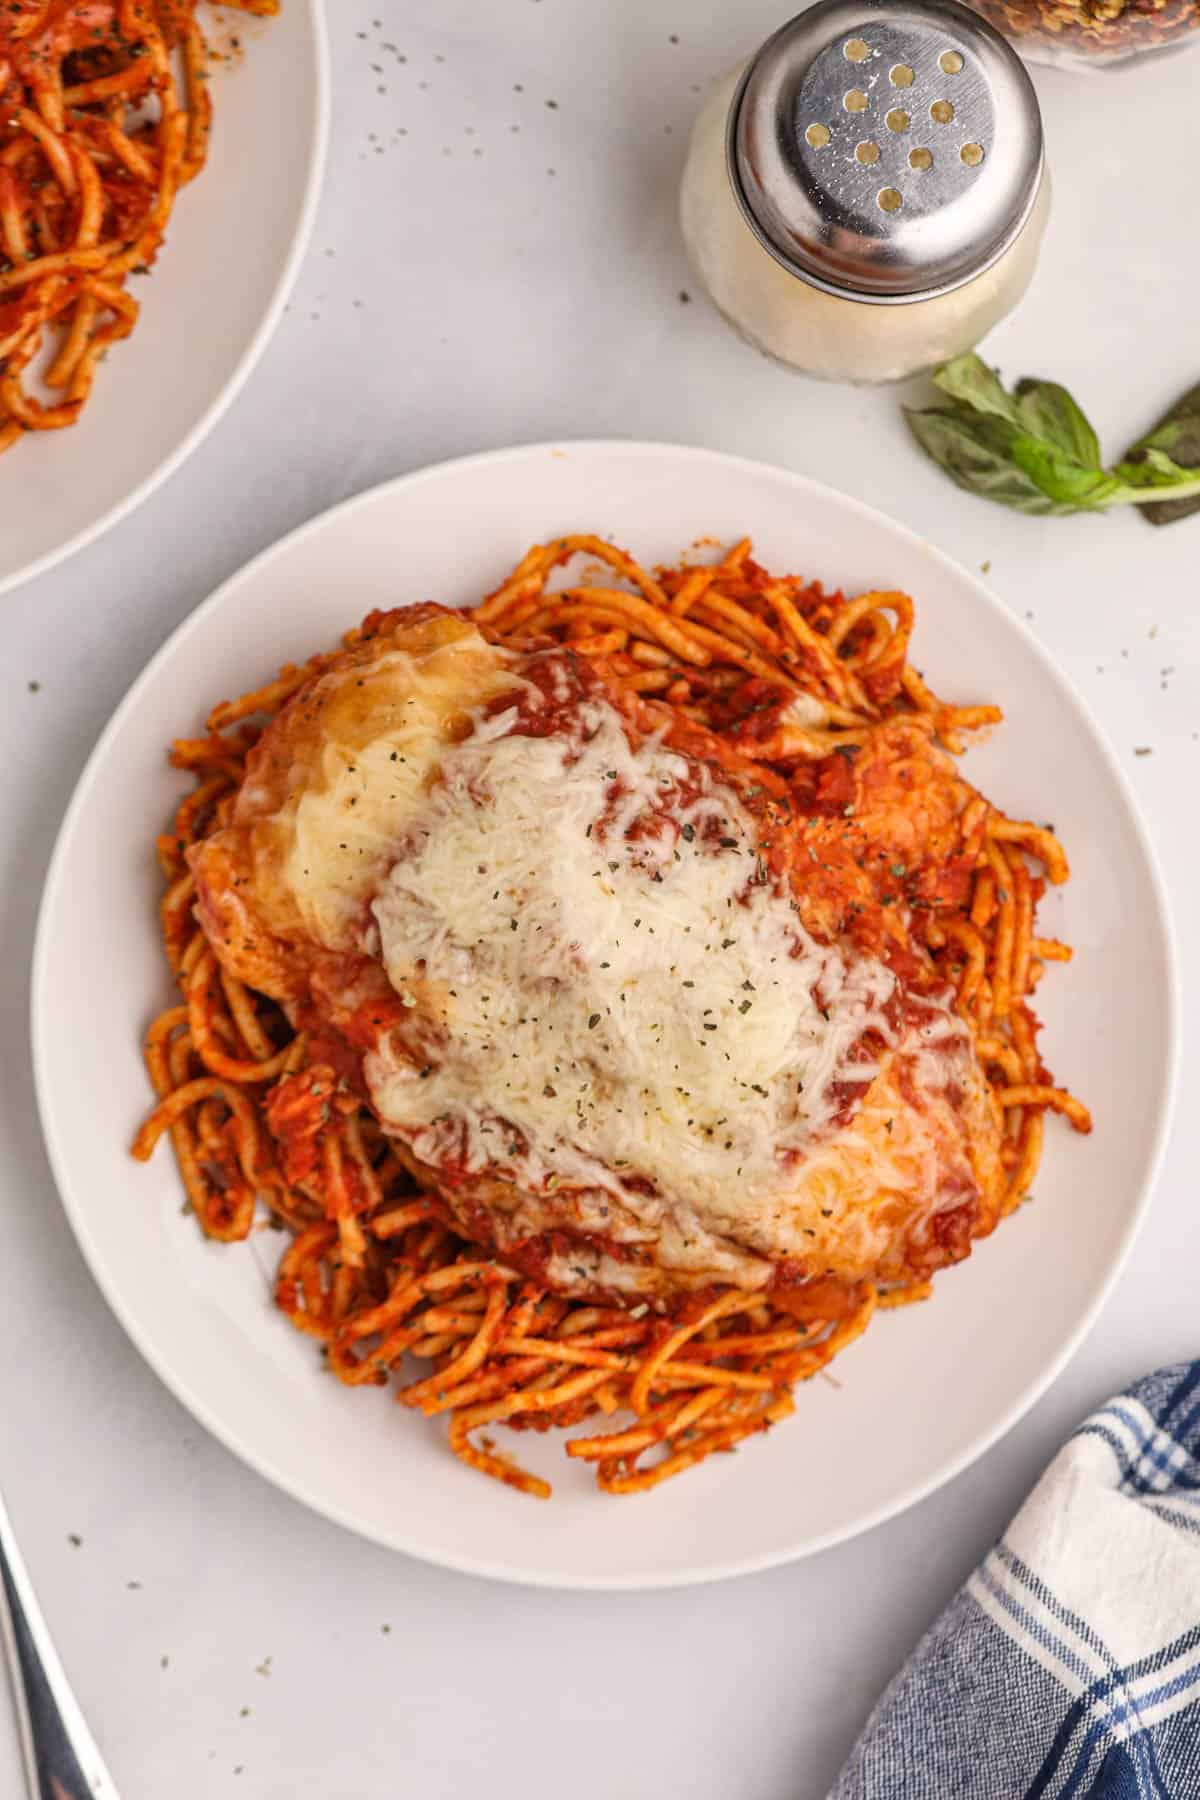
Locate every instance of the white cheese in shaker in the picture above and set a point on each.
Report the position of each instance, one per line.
(868, 198)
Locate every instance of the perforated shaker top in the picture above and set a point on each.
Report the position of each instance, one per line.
(886, 152)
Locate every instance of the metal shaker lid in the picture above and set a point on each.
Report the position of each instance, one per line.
(885, 150)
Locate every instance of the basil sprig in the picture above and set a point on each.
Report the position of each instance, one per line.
(1034, 449)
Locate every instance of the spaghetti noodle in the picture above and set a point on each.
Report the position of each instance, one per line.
(104, 115)
(376, 1270)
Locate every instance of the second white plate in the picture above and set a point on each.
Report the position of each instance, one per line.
(233, 246)
(928, 1388)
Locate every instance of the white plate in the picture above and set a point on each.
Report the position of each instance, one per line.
(233, 246)
(927, 1388)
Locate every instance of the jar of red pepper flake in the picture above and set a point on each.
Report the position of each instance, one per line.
(1092, 33)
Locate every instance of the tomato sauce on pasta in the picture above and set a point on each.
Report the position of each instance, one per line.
(804, 699)
(105, 113)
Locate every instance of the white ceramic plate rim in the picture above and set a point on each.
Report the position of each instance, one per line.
(463, 1562)
(225, 398)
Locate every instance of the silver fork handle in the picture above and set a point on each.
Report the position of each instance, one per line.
(61, 1758)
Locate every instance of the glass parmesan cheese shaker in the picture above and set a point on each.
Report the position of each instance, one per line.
(866, 197)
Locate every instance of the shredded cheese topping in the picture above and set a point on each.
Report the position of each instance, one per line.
(614, 1025)
(381, 736)
(613, 985)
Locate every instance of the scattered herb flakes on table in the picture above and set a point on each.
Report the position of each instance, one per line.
(1034, 449)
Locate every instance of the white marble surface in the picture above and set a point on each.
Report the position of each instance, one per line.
(496, 259)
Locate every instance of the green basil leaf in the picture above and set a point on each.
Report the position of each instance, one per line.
(1060, 477)
(1177, 433)
(1035, 450)
(1166, 512)
(1177, 437)
(1154, 469)
(1048, 411)
(968, 380)
(975, 451)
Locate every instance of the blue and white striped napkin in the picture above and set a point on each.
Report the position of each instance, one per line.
(1069, 1664)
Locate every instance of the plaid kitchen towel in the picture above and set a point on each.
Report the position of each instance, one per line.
(1069, 1665)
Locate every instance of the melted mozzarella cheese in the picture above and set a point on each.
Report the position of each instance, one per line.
(378, 740)
(615, 992)
(615, 1026)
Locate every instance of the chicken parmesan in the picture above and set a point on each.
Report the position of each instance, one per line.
(616, 988)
